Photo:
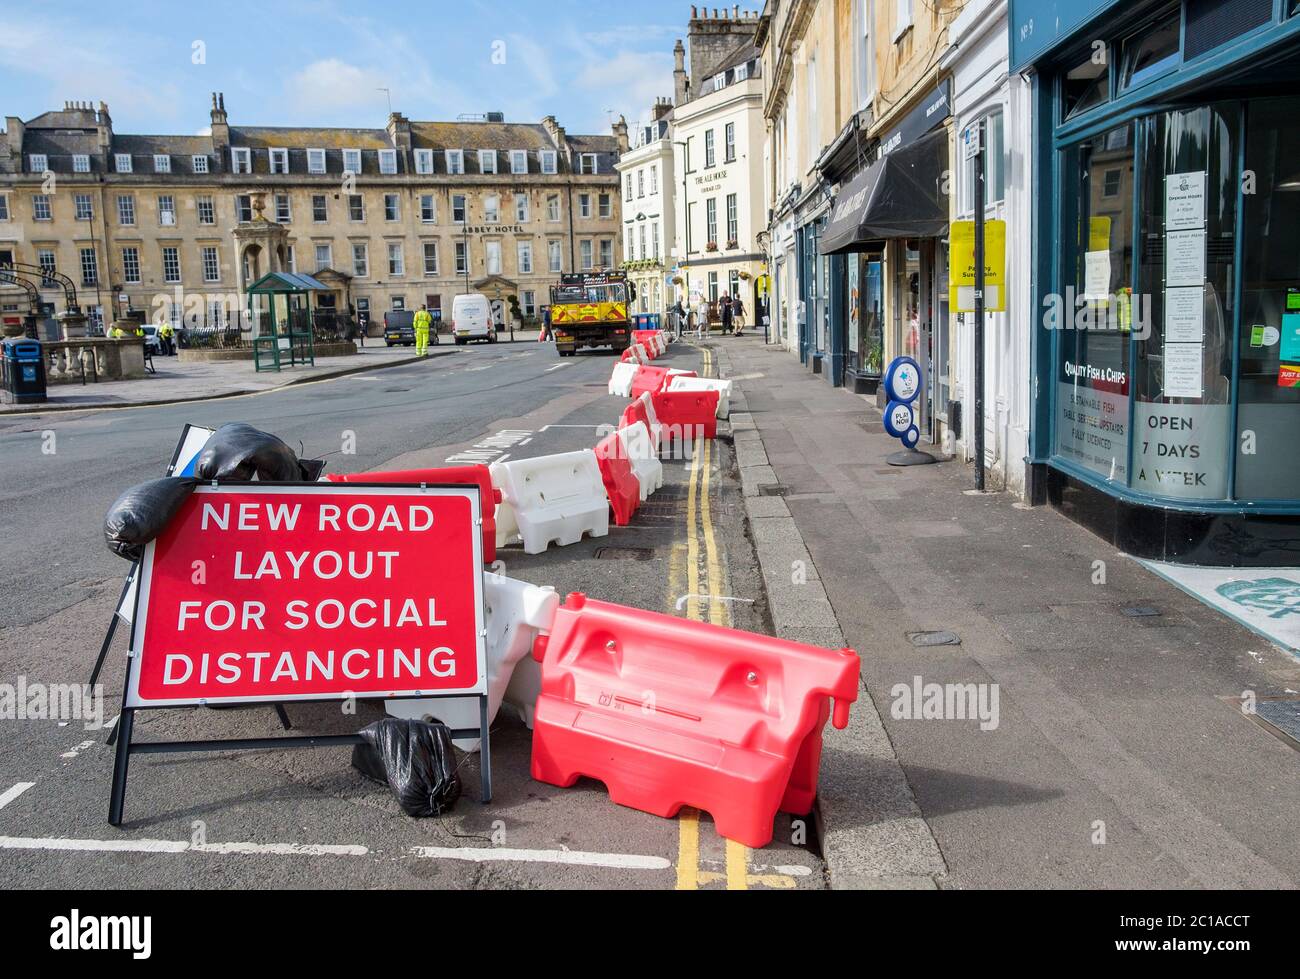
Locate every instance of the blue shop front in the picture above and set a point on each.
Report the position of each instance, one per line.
(1166, 162)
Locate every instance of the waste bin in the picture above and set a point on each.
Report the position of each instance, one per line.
(22, 371)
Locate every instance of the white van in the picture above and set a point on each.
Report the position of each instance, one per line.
(471, 319)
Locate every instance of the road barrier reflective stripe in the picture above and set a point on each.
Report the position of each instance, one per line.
(642, 410)
(621, 485)
(638, 448)
(555, 499)
(620, 383)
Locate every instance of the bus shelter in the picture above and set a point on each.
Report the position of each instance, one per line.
(279, 307)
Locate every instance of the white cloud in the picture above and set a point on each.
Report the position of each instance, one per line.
(330, 84)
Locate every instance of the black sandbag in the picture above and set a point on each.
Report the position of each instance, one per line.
(238, 453)
(415, 760)
(142, 513)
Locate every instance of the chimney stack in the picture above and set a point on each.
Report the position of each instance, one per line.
(220, 127)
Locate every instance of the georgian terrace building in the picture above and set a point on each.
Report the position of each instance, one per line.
(390, 218)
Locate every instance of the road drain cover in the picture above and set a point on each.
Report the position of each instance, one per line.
(1142, 612)
(625, 554)
(926, 640)
(774, 491)
(1282, 714)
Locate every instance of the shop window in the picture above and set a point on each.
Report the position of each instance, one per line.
(1152, 52)
(1268, 465)
(1087, 85)
(1182, 311)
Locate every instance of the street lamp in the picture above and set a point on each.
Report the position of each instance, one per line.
(686, 218)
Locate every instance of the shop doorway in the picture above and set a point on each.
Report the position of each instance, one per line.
(915, 287)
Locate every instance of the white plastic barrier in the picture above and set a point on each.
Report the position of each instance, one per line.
(620, 384)
(525, 687)
(507, 524)
(637, 448)
(515, 612)
(555, 499)
(706, 384)
(640, 354)
(656, 429)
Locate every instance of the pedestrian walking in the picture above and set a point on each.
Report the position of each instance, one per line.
(546, 325)
(423, 323)
(702, 319)
(738, 315)
(726, 314)
(679, 317)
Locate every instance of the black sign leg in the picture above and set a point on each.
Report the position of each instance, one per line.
(121, 758)
(484, 751)
(284, 717)
(112, 630)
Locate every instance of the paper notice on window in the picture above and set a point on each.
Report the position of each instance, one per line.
(1096, 278)
(1184, 259)
(1185, 201)
(1184, 370)
(1185, 315)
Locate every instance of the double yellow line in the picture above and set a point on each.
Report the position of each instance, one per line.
(684, 574)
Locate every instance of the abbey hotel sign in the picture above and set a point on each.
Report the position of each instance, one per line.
(493, 229)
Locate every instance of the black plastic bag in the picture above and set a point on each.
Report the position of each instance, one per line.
(237, 453)
(415, 760)
(142, 513)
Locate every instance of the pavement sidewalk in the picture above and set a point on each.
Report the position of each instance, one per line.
(1108, 751)
(177, 383)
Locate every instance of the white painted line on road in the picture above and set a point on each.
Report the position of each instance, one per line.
(12, 793)
(616, 861)
(557, 367)
(78, 749)
(282, 849)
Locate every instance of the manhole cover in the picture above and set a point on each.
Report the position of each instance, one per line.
(926, 640)
(1141, 612)
(774, 491)
(1281, 714)
(625, 554)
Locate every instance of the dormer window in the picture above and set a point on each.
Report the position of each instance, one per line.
(80, 163)
(455, 161)
(352, 161)
(279, 160)
(424, 161)
(388, 161)
(38, 162)
(550, 161)
(588, 163)
(518, 161)
(122, 162)
(487, 161)
(316, 161)
(241, 159)
(199, 162)
(162, 163)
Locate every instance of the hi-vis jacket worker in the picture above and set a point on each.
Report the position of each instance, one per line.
(423, 323)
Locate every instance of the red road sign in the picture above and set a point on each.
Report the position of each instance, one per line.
(271, 594)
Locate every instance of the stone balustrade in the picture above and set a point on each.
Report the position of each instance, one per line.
(94, 360)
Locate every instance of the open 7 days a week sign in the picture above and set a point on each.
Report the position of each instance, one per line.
(267, 594)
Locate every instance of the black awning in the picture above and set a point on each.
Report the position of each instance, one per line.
(899, 196)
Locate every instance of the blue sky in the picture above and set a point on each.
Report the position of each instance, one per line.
(321, 62)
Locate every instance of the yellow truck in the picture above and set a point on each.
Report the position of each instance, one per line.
(590, 309)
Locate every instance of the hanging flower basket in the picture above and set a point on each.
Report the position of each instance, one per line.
(745, 276)
(711, 246)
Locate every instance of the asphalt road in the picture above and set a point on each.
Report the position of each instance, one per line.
(306, 818)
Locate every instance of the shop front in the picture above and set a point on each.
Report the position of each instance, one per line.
(1167, 247)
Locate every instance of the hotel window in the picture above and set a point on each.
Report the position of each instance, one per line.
(392, 208)
(654, 179)
(713, 287)
(4, 208)
(487, 161)
(585, 254)
(356, 207)
(388, 161)
(38, 163)
(360, 259)
(207, 213)
(550, 161)
(171, 260)
(640, 182)
(293, 260)
(122, 162)
(430, 258)
(589, 163)
(654, 228)
(606, 206)
(131, 266)
(733, 283)
(244, 208)
(733, 219)
(84, 210)
(167, 211)
(315, 161)
(631, 242)
(89, 267)
(126, 210)
(80, 163)
(552, 207)
(40, 207)
(352, 161)
(283, 214)
(518, 161)
(491, 209)
(279, 161)
(428, 209)
(584, 205)
(211, 265)
(319, 208)
(396, 262)
(45, 259)
(455, 161)
(199, 163)
(555, 255)
(530, 302)
(643, 241)
(492, 250)
(162, 163)
(627, 193)
(462, 258)
(742, 72)
(241, 160)
(522, 215)
(525, 258)
(424, 161)
(607, 253)
(710, 151)
(324, 256)
(458, 209)
(730, 143)
(711, 220)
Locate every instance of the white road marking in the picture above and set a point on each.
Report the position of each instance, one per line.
(617, 861)
(557, 367)
(78, 749)
(12, 793)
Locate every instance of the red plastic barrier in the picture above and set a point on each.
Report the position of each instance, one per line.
(687, 415)
(621, 485)
(647, 339)
(669, 713)
(649, 379)
(635, 412)
(454, 476)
